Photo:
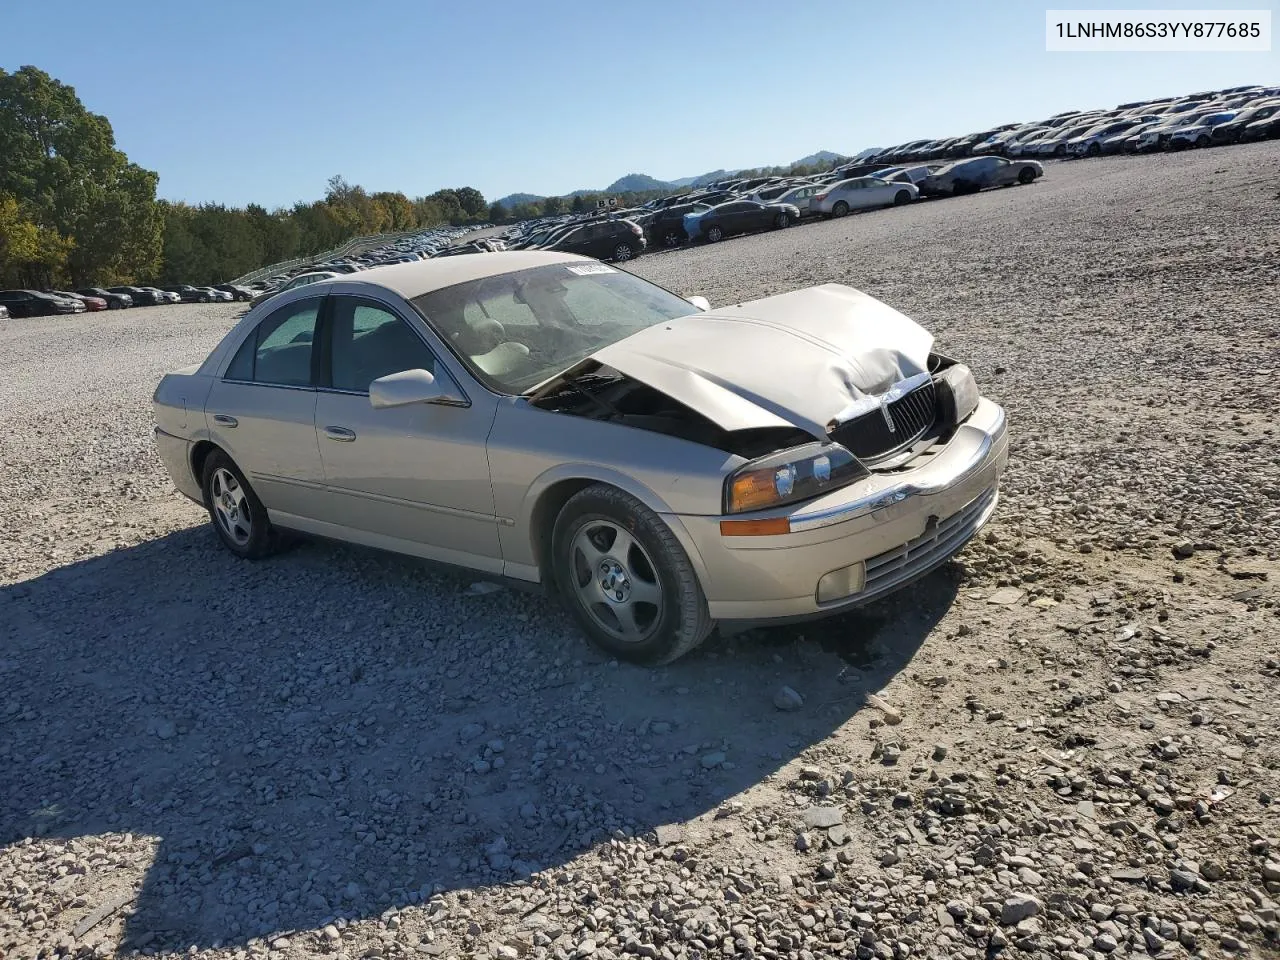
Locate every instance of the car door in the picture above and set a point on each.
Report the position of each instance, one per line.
(261, 410)
(413, 478)
(879, 193)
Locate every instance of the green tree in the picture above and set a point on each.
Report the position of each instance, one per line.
(471, 201)
(552, 206)
(61, 165)
(497, 212)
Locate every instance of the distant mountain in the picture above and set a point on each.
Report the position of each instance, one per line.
(822, 156)
(512, 199)
(636, 183)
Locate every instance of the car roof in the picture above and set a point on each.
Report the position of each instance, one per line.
(423, 276)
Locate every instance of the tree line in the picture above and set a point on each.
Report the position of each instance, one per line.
(74, 211)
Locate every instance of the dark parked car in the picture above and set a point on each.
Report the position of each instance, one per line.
(738, 216)
(603, 239)
(237, 292)
(667, 225)
(115, 301)
(1241, 126)
(33, 303)
(142, 296)
(189, 294)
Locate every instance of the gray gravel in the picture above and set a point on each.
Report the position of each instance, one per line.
(1061, 745)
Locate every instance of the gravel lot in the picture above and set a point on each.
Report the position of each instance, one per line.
(1062, 744)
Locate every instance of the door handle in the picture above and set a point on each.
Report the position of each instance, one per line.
(225, 420)
(340, 433)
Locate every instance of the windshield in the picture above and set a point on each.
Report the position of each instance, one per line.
(515, 330)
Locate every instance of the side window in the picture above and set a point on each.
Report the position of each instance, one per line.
(279, 350)
(369, 341)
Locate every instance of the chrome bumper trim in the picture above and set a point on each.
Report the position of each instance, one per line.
(818, 519)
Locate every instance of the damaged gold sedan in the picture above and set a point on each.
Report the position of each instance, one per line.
(546, 418)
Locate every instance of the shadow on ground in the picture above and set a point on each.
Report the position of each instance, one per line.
(335, 732)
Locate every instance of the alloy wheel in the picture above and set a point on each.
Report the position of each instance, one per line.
(231, 506)
(616, 581)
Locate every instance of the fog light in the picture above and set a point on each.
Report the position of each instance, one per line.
(842, 583)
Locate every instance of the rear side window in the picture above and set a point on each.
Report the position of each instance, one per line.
(279, 350)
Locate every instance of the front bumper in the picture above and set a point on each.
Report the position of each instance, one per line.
(890, 528)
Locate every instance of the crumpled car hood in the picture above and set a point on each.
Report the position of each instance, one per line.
(801, 359)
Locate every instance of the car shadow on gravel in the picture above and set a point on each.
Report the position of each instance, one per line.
(335, 732)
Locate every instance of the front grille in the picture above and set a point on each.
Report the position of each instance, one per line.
(918, 556)
(873, 436)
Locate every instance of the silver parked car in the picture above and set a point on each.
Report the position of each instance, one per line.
(552, 419)
(861, 193)
(970, 176)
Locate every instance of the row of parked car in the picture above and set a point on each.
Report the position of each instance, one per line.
(418, 246)
(50, 303)
(737, 206)
(1209, 118)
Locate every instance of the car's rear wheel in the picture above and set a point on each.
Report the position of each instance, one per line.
(622, 252)
(671, 239)
(782, 220)
(237, 514)
(714, 233)
(626, 578)
(1094, 149)
(1202, 140)
(204, 298)
(1026, 175)
(840, 209)
(901, 197)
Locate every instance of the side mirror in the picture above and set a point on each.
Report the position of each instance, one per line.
(702, 303)
(412, 386)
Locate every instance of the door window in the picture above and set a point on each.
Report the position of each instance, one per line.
(369, 341)
(279, 350)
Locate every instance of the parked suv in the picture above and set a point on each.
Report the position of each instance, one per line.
(603, 239)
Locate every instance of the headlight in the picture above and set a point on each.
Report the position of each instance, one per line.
(791, 476)
(957, 394)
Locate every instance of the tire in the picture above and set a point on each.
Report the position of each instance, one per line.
(623, 252)
(204, 299)
(715, 233)
(782, 221)
(1094, 149)
(233, 506)
(840, 209)
(901, 197)
(1203, 141)
(1026, 175)
(1060, 149)
(671, 239)
(586, 562)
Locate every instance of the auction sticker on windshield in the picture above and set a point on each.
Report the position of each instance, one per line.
(587, 269)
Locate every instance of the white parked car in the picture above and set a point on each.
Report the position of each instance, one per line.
(1200, 133)
(861, 193)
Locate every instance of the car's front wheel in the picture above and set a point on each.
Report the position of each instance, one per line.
(204, 298)
(1026, 175)
(671, 239)
(626, 578)
(782, 220)
(715, 233)
(237, 514)
(901, 197)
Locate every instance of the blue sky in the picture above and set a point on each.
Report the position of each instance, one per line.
(238, 102)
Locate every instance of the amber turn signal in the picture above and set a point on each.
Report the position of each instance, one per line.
(755, 528)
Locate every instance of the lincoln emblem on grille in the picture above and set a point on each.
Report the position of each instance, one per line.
(888, 416)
